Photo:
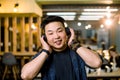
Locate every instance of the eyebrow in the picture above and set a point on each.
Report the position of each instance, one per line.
(57, 29)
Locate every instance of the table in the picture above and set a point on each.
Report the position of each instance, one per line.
(102, 74)
(21, 53)
(22, 56)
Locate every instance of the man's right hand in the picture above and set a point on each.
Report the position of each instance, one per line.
(45, 45)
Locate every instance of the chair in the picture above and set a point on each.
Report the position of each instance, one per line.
(10, 62)
(1, 68)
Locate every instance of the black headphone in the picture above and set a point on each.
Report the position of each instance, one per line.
(66, 29)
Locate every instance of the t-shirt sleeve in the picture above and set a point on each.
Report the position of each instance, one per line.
(36, 55)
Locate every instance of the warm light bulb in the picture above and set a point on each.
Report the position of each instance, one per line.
(108, 22)
(33, 27)
(79, 23)
(15, 9)
(101, 26)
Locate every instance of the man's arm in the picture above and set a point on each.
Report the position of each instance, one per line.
(31, 69)
(90, 57)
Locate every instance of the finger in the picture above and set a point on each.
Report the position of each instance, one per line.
(72, 36)
(72, 32)
(42, 40)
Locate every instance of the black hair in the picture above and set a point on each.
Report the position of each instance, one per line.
(49, 19)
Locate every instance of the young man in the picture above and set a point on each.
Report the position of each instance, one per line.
(61, 57)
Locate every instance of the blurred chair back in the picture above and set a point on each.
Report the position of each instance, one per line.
(9, 59)
(10, 62)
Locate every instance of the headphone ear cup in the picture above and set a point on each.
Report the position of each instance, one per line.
(67, 31)
(44, 37)
(43, 34)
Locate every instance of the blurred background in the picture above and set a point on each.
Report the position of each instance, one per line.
(96, 24)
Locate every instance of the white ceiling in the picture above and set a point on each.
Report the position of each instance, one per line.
(78, 7)
(48, 2)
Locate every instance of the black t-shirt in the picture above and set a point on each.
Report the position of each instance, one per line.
(63, 65)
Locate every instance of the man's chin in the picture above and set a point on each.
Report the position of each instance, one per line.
(58, 48)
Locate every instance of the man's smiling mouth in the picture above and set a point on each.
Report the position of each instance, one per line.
(58, 42)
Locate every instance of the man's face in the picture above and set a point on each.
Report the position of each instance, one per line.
(56, 35)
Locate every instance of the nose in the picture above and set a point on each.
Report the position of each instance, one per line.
(56, 35)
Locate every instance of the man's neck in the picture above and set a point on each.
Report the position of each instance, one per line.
(60, 49)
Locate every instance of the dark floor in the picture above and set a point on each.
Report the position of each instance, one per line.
(9, 75)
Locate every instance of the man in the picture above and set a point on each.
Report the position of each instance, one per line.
(61, 57)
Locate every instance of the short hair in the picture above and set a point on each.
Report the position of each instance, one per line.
(49, 19)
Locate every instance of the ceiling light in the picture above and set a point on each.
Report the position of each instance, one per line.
(79, 24)
(68, 17)
(108, 22)
(88, 26)
(61, 13)
(99, 10)
(101, 26)
(65, 15)
(93, 13)
(15, 7)
(108, 7)
(90, 17)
